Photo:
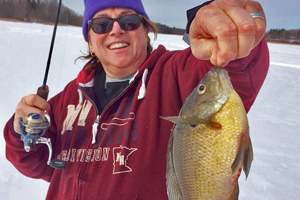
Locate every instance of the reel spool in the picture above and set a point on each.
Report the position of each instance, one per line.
(32, 130)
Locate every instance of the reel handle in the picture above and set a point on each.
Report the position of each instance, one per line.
(55, 163)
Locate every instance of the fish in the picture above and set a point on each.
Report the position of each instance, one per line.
(209, 144)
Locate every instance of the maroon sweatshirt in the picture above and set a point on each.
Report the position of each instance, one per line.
(121, 152)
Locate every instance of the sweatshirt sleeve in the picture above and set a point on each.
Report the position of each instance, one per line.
(32, 164)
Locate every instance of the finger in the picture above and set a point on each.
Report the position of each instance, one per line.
(225, 32)
(260, 24)
(34, 100)
(22, 112)
(29, 104)
(245, 30)
(201, 41)
(202, 47)
(218, 36)
(16, 125)
(214, 57)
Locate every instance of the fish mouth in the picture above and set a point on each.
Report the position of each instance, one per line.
(221, 80)
(224, 85)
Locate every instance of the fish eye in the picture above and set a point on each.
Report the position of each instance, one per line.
(201, 89)
(193, 125)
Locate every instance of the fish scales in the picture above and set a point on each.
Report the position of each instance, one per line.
(207, 151)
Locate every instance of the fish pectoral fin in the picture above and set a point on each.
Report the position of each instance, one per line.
(248, 157)
(215, 125)
(239, 156)
(186, 120)
(235, 193)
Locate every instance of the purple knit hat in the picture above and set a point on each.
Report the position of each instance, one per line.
(93, 6)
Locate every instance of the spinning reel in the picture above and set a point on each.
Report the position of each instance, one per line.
(32, 130)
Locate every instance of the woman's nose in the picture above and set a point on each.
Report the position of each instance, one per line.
(116, 29)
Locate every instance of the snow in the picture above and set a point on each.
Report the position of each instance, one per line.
(274, 118)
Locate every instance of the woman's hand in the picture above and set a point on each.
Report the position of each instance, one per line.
(29, 104)
(224, 30)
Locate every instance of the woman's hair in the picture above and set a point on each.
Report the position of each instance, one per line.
(147, 24)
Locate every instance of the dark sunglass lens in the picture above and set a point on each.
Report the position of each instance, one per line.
(102, 25)
(130, 22)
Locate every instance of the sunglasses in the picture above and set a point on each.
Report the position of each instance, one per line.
(104, 24)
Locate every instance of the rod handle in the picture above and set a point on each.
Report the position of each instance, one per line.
(43, 91)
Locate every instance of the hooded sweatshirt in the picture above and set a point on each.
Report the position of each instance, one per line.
(120, 153)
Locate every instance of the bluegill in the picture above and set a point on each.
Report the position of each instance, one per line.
(209, 144)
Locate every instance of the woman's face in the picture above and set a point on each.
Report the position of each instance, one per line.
(120, 52)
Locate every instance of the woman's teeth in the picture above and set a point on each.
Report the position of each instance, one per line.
(118, 45)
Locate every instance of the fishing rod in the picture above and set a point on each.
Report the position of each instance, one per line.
(43, 91)
(35, 125)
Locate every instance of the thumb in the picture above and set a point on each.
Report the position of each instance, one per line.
(202, 48)
(206, 49)
(203, 45)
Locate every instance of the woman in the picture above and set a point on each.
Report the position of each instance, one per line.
(106, 123)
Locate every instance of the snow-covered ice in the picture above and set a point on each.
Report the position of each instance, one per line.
(274, 118)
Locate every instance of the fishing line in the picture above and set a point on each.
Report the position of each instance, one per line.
(62, 63)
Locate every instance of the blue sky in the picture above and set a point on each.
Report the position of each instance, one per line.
(280, 14)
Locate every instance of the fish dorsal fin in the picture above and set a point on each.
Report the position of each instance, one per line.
(248, 157)
(173, 189)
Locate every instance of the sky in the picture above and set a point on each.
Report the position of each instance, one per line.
(280, 14)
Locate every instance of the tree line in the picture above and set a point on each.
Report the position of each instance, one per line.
(169, 30)
(40, 11)
(44, 11)
(273, 35)
(284, 36)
